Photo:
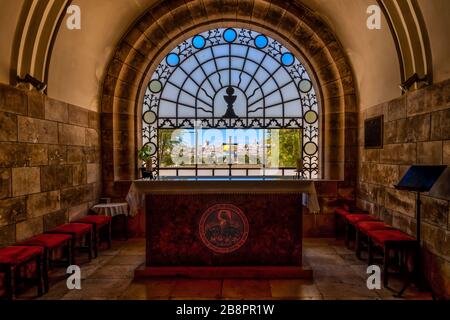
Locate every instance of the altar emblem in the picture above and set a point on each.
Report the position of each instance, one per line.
(223, 228)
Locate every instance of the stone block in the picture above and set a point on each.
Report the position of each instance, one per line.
(396, 109)
(55, 219)
(429, 152)
(36, 105)
(399, 153)
(8, 127)
(43, 203)
(25, 181)
(74, 196)
(12, 210)
(417, 102)
(56, 110)
(390, 132)
(404, 223)
(93, 172)
(29, 228)
(440, 125)
(5, 183)
(439, 96)
(441, 188)
(372, 155)
(37, 131)
(386, 175)
(401, 201)
(79, 174)
(57, 154)
(92, 138)
(333, 89)
(13, 100)
(446, 153)
(56, 177)
(94, 120)
(438, 270)
(92, 154)
(21, 155)
(78, 212)
(376, 111)
(318, 225)
(78, 116)
(417, 129)
(435, 211)
(7, 235)
(436, 238)
(76, 155)
(72, 135)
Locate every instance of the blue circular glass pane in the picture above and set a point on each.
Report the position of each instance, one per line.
(198, 42)
(172, 59)
(261, 41)
(287, 59)
(230, 35)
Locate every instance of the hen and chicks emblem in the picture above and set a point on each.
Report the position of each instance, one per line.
(223, 228)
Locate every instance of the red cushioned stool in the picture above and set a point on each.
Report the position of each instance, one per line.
(350, 222)
(362, 227)
(342, 212)
(12, 259)
(99, 224)
(78, 231)
(50, 243)
(391, 240)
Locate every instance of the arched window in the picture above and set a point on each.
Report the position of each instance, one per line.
(219, 100)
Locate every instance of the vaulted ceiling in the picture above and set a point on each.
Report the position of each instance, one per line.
(413, 38)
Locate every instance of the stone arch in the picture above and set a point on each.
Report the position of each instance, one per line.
(300, 29)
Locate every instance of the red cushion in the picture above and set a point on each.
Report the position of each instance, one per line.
(75, 229)
(366, 226)
(354, 218)
(97, 220)
(49, 241)
(382, 236)
(18, 254)
(342, 212)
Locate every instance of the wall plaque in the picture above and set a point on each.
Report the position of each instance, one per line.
(373, 133)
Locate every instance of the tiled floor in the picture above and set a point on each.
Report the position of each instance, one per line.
(337, 275)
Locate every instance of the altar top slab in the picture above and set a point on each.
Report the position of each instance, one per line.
(208, 185)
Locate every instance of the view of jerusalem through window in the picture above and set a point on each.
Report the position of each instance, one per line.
(222, 148)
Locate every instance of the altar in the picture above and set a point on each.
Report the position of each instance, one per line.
(224, 227)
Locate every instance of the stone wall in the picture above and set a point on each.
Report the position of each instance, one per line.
(416, 131)
(49, 163)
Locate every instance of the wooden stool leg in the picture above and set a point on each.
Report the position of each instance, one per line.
(72, 250)
(386, 266)
(69, 253)
(39, 277)
(125, 226)
(347, 234)
(109, 235)
(46, 268)
(9, 286)
(336, 226)
(89, 244)
(370, 252)
(96, 239)
(358, 244)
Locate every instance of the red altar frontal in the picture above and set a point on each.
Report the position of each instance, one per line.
(225, 227)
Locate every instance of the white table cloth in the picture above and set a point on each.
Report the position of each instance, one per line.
(112, 209)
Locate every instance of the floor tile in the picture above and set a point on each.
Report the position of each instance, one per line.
(243, 288)
(197, 288)
(151, 289)
(294, 289)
